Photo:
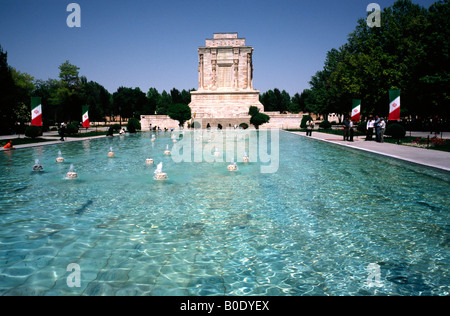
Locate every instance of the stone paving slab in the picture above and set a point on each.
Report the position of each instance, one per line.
(427, 157)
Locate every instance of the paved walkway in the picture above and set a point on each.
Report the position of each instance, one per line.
(427, 157)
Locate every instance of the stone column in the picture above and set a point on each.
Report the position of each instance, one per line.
(249, 71)
(236, 74)
(200, 73)
(214, 74)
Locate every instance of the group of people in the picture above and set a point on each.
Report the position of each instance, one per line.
(377, 124)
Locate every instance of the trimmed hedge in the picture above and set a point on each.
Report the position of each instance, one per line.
(325, 124)
(133, 125)
(33, 131)
(395, 130)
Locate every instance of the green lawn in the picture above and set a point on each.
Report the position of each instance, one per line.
(24, 141)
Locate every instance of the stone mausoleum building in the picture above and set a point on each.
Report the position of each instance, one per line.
(225, 88)
(225, 79)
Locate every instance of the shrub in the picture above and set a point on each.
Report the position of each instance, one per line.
(305, 119)
(395, 130)
(179, 112)
(133, 125)
(33, 131)
(243, 125)
(257, 118)
(72, 128)
(325, 125)
(362, 126)
(116, 127)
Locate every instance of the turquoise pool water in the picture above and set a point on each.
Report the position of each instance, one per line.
(312, 228)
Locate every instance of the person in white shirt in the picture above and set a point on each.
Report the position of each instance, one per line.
(382, 129)
(351, 131)
(369, 127)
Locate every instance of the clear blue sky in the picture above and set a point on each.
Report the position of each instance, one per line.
(153, 43)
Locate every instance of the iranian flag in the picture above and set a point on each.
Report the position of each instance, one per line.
(36, 111)
(394, 107)
(86, 116)
(356, 110)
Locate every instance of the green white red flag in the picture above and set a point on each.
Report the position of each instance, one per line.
(36, 111)
(394, 105)
(356, 110)
(85, 115)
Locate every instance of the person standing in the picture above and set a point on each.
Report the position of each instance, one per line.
(346, 128)
(309, 127)
(382, 129)
(369, 127)
(376, 125)
(62, 131)
(351, 131)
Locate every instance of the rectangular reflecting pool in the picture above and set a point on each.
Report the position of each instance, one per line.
(329, 221)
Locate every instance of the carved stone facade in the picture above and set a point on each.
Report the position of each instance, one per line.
(225, 79)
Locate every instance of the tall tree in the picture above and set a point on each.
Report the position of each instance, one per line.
(409, 51)
(129, 102)
(67, 96)
(8, 95)
(176, 96)
(98, 99)
(153, 99)
(163, 103)
(25, 89)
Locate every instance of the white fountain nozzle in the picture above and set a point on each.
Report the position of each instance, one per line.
(232, 166)
(159, 168)
(71, 174)
(246, 158)
(60, 157)
(37, 166)
(159, 175)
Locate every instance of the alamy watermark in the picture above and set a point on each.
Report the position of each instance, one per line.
(374, 18)
(74, 278)
(74, 18)
(374, 278)
(229, 145)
